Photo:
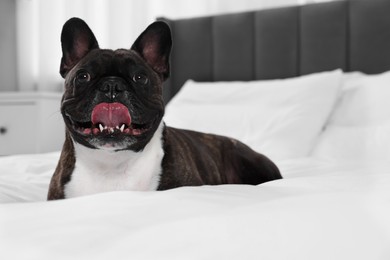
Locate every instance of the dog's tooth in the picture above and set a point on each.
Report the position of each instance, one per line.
(101, 127)
(122, 127)
(111, 130)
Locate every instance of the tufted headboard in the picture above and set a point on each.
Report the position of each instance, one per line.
(283, 42)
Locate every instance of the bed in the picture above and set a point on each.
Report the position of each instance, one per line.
(306, 85)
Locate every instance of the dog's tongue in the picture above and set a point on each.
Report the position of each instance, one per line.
(111, 115)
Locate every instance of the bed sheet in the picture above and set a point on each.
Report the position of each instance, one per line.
(321, 210)
(26, 177)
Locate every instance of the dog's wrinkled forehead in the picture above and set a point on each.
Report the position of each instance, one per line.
(121, 63)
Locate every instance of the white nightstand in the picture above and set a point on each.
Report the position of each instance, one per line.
(30, 122)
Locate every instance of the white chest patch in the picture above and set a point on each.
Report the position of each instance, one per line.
(99, 171)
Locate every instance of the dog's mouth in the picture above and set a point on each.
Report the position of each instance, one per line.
(110, 119)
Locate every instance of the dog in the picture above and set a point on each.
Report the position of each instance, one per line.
(116, 139)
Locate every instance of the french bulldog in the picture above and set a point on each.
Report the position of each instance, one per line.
(116, 139)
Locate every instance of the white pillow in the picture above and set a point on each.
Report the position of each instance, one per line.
(359, 127)
(354, 143)
(279, 118)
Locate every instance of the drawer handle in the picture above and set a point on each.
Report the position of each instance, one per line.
(3, 130)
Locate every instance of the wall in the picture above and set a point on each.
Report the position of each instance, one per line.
(7, 46)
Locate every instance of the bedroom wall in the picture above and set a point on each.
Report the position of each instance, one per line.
(7, 45)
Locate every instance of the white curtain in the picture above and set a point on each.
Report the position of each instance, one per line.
(116, 24)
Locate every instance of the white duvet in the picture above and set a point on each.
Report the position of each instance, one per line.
(321, 210)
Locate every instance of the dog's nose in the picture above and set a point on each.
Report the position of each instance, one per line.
(112, 88)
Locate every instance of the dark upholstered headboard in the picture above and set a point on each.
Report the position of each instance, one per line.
(278, 43)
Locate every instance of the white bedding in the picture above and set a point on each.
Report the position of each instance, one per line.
(333, 203)
(321, 210)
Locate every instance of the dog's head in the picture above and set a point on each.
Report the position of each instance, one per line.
(113, 98)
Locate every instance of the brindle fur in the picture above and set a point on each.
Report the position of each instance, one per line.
(194, 158)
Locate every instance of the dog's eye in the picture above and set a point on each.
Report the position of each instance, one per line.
(83, 77)
(141, 79)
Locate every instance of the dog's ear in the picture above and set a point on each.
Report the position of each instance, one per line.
(77, 40)
(154, 46)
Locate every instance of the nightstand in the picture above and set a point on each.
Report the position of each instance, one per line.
(30, 122)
